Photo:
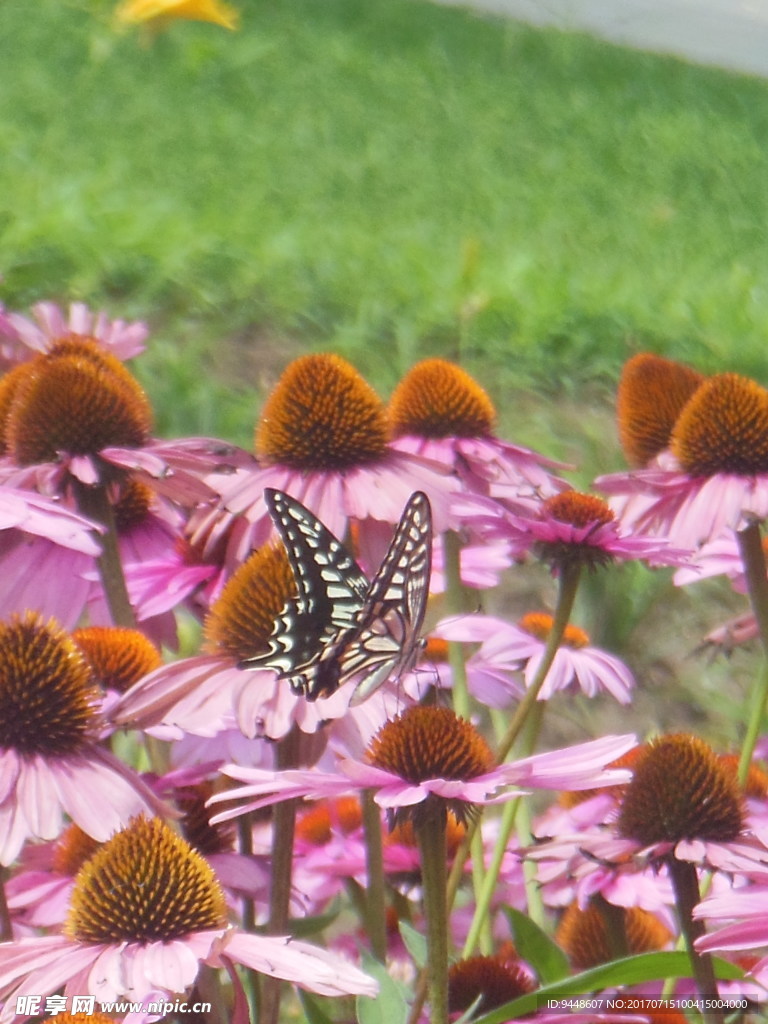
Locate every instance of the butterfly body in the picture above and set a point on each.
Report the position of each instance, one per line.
(340, 625)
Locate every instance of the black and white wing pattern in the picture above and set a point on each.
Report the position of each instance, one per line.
(340, 626)
(387, 638)
(331, 591)
(384, 641)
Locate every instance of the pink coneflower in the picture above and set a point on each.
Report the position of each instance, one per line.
(746, 910)
(652, 393)
(508, 652)
(720, 557)
(74, 416)
(440, 412)
(683, 811)
(593, 861)
(422, 766)
(51, 760)
(322, 438)
(117, 656)
(482, 561)
(570, 529)
(425, 753)
(489, 982)
(188, 790)
(684, 804)
(590, 935)
(51, 325)
(41, 541)
(38, 893)
(211, 692)
(329, 850)
(715, 474)
(158, 575)
(146, 912)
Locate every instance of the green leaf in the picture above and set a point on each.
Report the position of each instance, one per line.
(631, 971)
(307, 927)
(390, 1006)
(313, 1010)
(415, 943)
(535, 946)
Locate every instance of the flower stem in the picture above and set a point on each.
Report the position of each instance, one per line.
(94, 503)
(568, 584)
(245, 842)
(753, 560)
(513, 814)
(376, 922)
(685, 884)
(614, 919)
(431, 834)
(283, 831)
(455, 604)
(6, 928)
(208, 989)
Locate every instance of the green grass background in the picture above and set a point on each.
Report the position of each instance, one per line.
(392, 179)
(387, 178)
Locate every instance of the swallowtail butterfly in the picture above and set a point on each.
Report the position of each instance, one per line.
(340, 625)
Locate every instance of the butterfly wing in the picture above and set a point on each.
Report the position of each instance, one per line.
(331, 592)
(386, 640)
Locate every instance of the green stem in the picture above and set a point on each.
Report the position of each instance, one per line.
(482, 933)
(533, 897)
(283, 831)
(245, 842)
(94, 503)
(487, 889)
(6, 928)
(455, 604)
(375, 907)
(753, 560)
(685, 884)
(208, 989)
(514, 812)
(431, 835)
(568, 584)
(615, 926)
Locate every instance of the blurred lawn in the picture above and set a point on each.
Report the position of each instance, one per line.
(385, 177)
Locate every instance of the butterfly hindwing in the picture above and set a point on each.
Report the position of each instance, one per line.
(387, 638)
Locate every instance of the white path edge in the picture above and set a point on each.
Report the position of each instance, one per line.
(730, 34)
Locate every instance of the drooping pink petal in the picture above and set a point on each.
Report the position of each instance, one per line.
(33, 794)
(170, 965)
(101, 794)
(578, 767)
(10, 766)
(307, 966)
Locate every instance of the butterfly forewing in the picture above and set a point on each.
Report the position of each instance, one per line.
(387, 641)
(331, 590)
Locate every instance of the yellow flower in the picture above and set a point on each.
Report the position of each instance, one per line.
(134, 12)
